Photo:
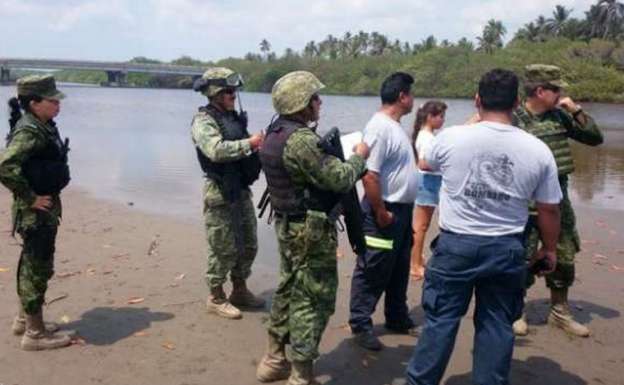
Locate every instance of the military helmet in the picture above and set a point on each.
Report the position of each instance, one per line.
(544, 74)
(39, 85)
(216, 79)
(292, 92)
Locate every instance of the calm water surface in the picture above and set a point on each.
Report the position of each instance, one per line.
(133, 145)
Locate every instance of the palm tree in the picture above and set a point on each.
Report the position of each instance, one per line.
(329, 47)
(540, 23)
(429, 43)
(492, 36)
(378, 44)
(465, 43)
(310, 49)
(557, 23)
(265, 47)
(609, 18)
(530, 32)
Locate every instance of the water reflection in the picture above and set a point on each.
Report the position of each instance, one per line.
(134, 144)
(599, 176)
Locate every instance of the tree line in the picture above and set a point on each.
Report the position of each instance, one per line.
(590, 49)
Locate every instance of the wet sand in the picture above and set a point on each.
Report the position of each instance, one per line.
(131, 284)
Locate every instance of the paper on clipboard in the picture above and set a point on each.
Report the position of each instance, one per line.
(348, 141)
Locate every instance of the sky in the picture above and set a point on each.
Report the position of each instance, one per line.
(118, 30)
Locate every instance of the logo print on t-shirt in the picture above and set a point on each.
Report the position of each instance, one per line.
(489, 178)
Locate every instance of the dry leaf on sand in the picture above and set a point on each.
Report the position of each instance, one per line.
(135, 300)
(168, 345)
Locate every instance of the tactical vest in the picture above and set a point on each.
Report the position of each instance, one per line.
(286, 197)
(231, 176)
(47, 170)
(550, 129)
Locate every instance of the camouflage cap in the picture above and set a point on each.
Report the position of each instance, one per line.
(292, 92)
(228, 77)
(39, 85)
(544, 74)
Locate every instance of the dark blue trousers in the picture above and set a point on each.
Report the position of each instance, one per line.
(494, 269)
(384, 268)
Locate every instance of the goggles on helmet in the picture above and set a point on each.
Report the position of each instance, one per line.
(234, 80)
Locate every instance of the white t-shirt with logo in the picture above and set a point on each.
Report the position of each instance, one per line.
(490, 173)
(392, 157)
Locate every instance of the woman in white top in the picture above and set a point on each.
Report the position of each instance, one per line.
(429, 118)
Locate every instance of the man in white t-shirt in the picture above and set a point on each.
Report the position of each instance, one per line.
(390, 190)
(491, 171)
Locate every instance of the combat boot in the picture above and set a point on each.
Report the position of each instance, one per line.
(560, 315)
(520, 327)
(302, 373)
(19, 323)
(218, 304)
(273, 366)
(37, 338)
(242, 297)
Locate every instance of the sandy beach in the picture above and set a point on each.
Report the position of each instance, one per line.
(131, 285)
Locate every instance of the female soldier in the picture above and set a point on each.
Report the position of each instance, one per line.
(429, 117)
(34, 167)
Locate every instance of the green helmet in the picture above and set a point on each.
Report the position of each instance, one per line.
(215, 79)
(292, 92)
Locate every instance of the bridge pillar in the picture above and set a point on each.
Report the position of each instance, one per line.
(5, 75)
(116, 78)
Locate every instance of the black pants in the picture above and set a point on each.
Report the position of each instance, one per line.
(384, 268)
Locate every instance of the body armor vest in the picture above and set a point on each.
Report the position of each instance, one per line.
(550, 129)
(47, 170)
(230, 176)
(286, 197)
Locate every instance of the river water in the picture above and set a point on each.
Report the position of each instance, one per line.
(133, 145)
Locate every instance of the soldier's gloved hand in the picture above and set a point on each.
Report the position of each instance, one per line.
(568, 104)
(255, 141)
(361, 149)
(42, 202)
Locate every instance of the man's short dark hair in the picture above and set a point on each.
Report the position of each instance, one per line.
(498, 90)
(393, 85)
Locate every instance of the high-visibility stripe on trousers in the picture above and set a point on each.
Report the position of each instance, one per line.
(378, 243)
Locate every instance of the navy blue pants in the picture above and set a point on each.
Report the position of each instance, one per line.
(384, 268)
(494, 269)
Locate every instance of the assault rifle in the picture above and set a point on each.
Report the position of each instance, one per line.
(351, 210)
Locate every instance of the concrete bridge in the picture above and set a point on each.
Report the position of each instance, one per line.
(116, 71)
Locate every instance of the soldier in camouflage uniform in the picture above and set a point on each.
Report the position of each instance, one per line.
(34, 167)
(301, 179)
(228, 157)
(554, 119)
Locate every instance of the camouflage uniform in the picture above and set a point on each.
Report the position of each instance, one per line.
(230, 226)
(303, 183)
(38, 229)
(306, 294)
(554, 128)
